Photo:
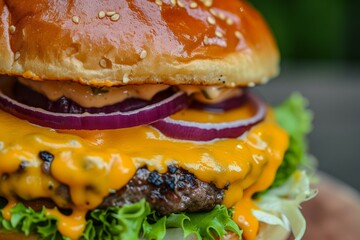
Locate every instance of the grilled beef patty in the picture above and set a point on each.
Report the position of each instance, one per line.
(174, 191)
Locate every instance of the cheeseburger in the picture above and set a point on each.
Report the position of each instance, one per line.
(134, 119)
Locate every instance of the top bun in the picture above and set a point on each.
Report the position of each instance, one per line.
(117, 42)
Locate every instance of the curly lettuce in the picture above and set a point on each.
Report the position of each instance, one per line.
(116, 223)
(26, 220)
(208, 225)
(127, 222)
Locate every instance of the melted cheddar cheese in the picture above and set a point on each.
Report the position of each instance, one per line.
(94, 163)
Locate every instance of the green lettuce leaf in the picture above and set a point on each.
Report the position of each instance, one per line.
(127, 222)
(154, 227)
(207, 225)
(27, 221)
(117, 223)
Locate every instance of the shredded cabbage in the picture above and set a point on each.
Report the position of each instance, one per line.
(281, 205)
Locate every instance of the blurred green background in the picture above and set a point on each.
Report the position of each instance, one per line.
(319, 42)
(314, 29)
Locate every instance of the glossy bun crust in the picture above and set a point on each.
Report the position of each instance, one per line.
(206, 42)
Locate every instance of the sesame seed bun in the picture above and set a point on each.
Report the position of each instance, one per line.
(135, 42)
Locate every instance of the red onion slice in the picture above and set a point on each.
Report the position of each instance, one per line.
(186, 130)
(101, 121)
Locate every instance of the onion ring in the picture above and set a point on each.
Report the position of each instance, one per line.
(100, 121)
(186, 130)
(226, 105)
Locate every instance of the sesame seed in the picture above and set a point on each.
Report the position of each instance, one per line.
(75, 19)
(17, 55)
(110, 14)
(126, 78)
(222, 16)
(238, 35)
(158, 2)
(193, 5)
(115, 17)
(206, 40)
(12, 29)
(208, 3)
(213, 12)
(143, 54)
(180, 4)
(219, 34)
(211, 20)
(229, 21)
(101, 14)
(102, 63)
(173, 2)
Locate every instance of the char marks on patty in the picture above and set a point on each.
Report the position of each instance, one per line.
(175, 191)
